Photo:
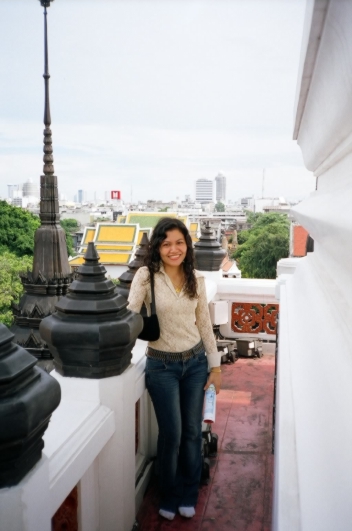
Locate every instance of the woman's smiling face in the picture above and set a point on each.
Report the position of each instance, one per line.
(173, 249)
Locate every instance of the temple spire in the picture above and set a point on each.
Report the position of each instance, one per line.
(51, 274)
(50, 251)
(49, 207)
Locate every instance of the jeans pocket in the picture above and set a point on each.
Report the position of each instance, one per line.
(201, 358)
(153, 365)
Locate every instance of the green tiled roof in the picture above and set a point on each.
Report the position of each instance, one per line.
(150, 219)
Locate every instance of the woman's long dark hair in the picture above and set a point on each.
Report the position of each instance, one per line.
(152, 258)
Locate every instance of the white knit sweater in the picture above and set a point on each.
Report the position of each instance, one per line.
(183, 321)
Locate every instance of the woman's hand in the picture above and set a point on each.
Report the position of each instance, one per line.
(215, 379)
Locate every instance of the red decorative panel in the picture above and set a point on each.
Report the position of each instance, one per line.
(66, 518)
(300, 236)
(269, 318)
(252, 318)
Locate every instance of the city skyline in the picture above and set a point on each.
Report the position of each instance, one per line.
(213, 190)
(169, 93)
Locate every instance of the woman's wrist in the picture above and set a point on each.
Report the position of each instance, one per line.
(214, 378)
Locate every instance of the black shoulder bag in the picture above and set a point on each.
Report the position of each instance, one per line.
(151, 329)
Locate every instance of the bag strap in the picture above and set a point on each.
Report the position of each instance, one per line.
(153, 308)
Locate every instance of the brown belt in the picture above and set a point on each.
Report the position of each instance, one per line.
(175, 356)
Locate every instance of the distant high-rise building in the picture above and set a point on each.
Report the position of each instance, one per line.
(81, 196)
(204, 190)
(17, 201)
(11, 189)
(245, 201)
(220, 181)
(30, 189)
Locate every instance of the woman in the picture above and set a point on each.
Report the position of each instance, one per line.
(177, 367)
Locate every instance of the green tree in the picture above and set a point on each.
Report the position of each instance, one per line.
(17, 228)
(252, 217)
(10, 284)
(220, 207)
(70, 226)
(263, 245)
(242, 236)
(163, 209)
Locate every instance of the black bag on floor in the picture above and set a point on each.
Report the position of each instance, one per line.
(211, 442)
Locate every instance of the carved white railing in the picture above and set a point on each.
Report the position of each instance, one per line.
(146, 426)
(90, 443)
(245, 308)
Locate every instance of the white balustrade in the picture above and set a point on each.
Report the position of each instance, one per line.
(90, 442)
(257, 292)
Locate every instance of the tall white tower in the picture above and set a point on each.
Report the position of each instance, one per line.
(220, 181)
(30, 189)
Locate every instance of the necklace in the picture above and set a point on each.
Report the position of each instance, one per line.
(179, 288)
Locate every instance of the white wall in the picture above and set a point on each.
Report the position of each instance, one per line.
(313, 459)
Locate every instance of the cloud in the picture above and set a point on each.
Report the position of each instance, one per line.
(155, 163)
(165, 93)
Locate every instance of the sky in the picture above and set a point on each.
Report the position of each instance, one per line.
(147, 96)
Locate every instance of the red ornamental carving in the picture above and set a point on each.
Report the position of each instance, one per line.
(270, 312)
(252, 317)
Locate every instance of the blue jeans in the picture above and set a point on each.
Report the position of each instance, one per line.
(177, 393)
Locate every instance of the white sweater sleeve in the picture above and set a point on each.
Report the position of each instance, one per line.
(138, 291)
(205, 327)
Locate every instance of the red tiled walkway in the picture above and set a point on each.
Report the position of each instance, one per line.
(239, 494)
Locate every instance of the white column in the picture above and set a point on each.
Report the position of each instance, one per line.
(88, 500)
(26, 507)
(116, 462)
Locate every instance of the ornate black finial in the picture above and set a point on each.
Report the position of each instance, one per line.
(45, 3)
(127, 276)
(28, 396)
(92, 333)
(208, 251)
